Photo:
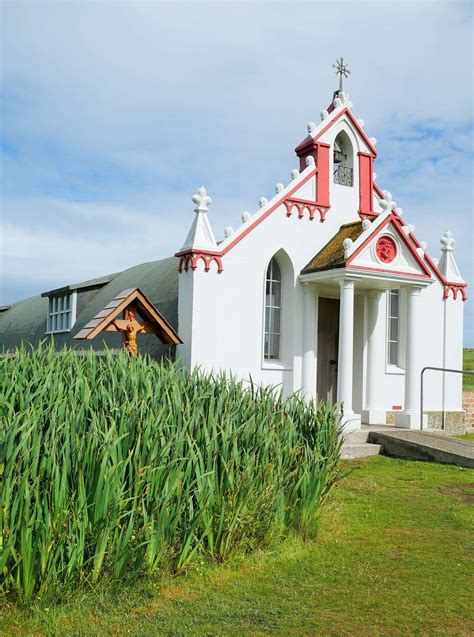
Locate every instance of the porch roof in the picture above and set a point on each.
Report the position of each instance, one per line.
(332, 254)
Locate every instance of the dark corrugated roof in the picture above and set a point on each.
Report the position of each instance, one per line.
(26, 321)
(92, 283)
(332, 254)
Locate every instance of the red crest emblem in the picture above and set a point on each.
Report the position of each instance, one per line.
(386, 249)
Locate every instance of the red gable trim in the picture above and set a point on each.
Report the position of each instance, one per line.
(394, 220)
(449, 285)
(455, 287)
(387, 271)
(360, 130)
(378, 190)
(433, 266)
(253, 225)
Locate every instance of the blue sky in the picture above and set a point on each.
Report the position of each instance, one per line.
(113, 113)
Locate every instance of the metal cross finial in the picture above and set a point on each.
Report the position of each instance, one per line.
(341, 70)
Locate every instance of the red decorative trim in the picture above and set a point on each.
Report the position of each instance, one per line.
(258, 221)
(184, 263)
(323, 177)
(192, 259)
(333, 121)
(320, 153)
(302, 205)
(379, 191)
(366, 190)
(455, 288)
(394, 219)
(387, 271)
(447, 284)
(369, 216)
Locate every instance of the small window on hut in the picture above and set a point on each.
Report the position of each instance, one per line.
(61, 313)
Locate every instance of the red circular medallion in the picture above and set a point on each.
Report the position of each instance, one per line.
(386, 249)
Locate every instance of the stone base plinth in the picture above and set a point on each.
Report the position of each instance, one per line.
(374, 416)
(410, 420)
(452, 422)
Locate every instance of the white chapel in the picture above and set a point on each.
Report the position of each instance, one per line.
(325, 288)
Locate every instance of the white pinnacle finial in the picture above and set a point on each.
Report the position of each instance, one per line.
(200, 234)
(447, 264)
(447, 242)
(387, 202)
(201, 200)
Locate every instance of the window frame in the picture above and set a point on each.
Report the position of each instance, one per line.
(391, 366)
(55, 302)
(267, 360)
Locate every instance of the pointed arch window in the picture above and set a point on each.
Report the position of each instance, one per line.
(273, 307)
(343, 160)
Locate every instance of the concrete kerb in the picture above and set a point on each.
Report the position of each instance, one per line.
(417, 445)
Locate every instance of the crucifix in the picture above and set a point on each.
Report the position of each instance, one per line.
(129, 327)
(341, 70)
(129, 304)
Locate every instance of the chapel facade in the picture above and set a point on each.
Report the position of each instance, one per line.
(326, 289)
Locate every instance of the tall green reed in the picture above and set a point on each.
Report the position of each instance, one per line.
(112, 466)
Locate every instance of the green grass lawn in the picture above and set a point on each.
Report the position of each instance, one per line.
(392, 556)
(468, 363)
(468, 437)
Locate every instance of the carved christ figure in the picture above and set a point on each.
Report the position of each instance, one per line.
(386, 249)
(130, 331)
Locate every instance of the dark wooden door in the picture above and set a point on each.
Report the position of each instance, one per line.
(328, 345)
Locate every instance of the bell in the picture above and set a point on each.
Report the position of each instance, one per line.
(339, 156)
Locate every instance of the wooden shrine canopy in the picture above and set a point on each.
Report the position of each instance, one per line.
(132, 299)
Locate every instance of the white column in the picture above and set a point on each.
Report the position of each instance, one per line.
(410, 416)
(310, 338)
(350, 421)
(373, 414)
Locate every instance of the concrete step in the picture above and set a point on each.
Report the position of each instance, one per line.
(357, 437)
(353, 450)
